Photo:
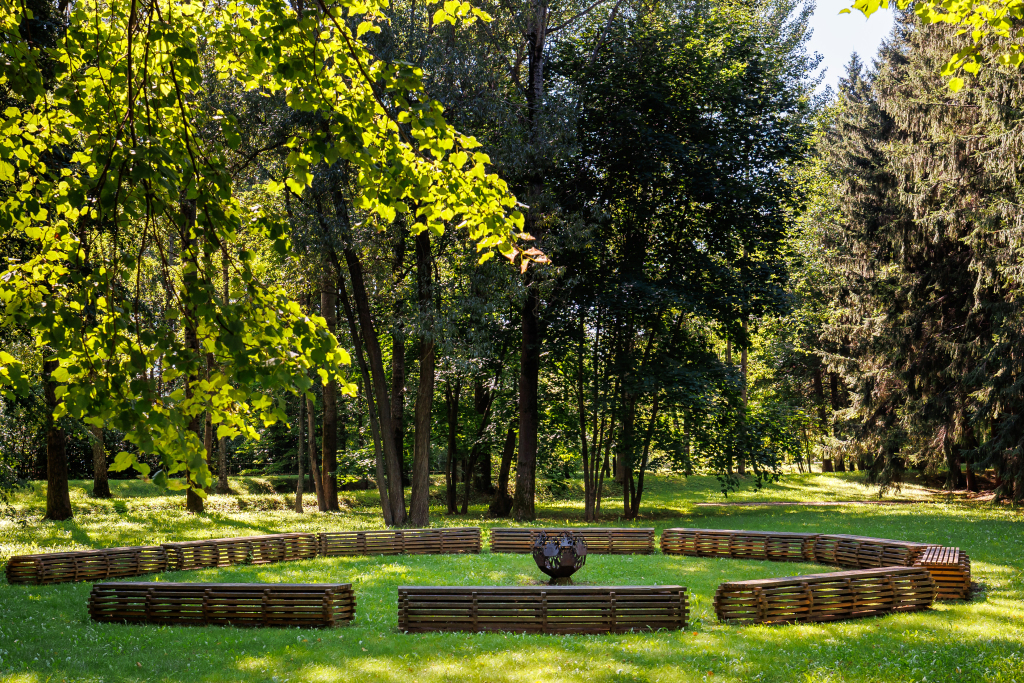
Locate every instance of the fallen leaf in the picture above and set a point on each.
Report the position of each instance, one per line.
(365, 650)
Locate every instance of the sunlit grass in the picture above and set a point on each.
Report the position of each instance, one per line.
(45, 634)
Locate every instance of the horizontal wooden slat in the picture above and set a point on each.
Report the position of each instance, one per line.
(86, 565)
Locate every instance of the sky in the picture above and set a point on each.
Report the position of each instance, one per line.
(836, 36)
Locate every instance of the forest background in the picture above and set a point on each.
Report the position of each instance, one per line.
(712, 269)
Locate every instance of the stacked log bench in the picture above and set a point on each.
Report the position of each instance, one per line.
(825, 597)
(113, 563)
(542, 609)
(600, 540)
(224, 552)
(855, 552)
(401, 541)
(86, 565)
(951, 570)
(223, 604)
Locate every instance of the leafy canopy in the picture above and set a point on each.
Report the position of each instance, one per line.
(112, 160)
(993, 27)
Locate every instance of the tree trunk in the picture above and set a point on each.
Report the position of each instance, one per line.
(100, 485)
(644, 459)
(502, 503)
(314, 469)
(58, 497)
(972, 483)
(371, 407)
(398, 358)
(329, 438)
(419, 504)
(451, 396)
(741, 460)
(193, 501)
(300, 446)
(526, 465)
(819, 394)
(222, 451)
(392, 454)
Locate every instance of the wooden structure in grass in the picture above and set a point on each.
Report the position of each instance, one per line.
(951, 570)
(855, 552)
(600, 540)
(542, 609)
(112, 563)
(86, 565)
(825, 597)
(224, 552)
(223, 604)
(453, 540)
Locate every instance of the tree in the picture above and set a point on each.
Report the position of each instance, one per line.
(152, 157)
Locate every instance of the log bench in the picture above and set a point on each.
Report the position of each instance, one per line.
(950, 568)
(825, 597)
(224, 552)
(223, 604)
(600, 540)
(401, 541)
(755, 545)
(854, 552)
(542, 609)
(86, 565)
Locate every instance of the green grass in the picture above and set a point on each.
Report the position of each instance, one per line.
(45, 634)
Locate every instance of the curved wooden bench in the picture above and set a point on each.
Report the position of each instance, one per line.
(224, 552)
(223, 604)
(854, 552)
(401, 541)
(86, 565)
(825, 597)
(951, 570)
(755, 545)
(600, 540)
(542, 609)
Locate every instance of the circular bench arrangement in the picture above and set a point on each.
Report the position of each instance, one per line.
(890, 576)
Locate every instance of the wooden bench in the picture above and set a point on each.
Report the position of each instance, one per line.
(825, 597)
(224, 552)
(223, 604)
(542, 609)
(950, 568)
(864, 552)
(600, 540)
(854, 552)
(401, 541)
(86, 565)
(756, 545)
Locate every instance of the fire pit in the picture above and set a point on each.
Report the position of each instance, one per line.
(560, 555)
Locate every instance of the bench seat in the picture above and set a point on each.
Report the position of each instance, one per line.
(401, 542)
(86, 565)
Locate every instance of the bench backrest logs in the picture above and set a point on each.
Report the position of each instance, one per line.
(542, 609)
(401, 541)
(86, 565)
(950, 568)
(825, 597)
(222, 604)
(600, 540)
(756, 545)
(224, 552)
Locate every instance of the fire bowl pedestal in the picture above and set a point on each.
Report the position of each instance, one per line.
(559, 555)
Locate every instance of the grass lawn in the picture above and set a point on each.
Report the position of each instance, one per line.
(45, 634)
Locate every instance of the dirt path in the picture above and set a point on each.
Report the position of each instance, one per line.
(812, 503)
